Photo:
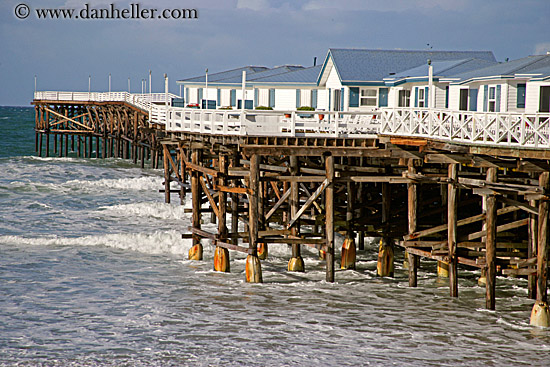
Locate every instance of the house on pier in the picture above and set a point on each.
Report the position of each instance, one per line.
(283, 88)
(365, 80)
(521, 85)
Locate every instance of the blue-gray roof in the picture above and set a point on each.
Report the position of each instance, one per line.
(510, 68)
(302, 76)
(440, 69)
(226, 74)
(262, 74)
(360, 65)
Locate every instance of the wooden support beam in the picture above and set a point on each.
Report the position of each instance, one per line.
(253, 220)
(412, 200)
(278, 204)
(329, 218)
(501, 228)
(206, 190)
(196, 195)
(452, 228)
(462, 222)
(542, 248)
(235, 203)
(532, 251)
(309, 201)
(491, 243)
(166, 174)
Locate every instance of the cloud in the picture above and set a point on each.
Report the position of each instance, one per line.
(386, 5)
(542, 48)
(253, 4)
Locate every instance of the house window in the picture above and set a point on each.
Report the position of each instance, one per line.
(404, 98)
(368, 98)
(421, 97)
(492, 99)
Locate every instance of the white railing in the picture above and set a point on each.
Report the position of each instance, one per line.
(152, 103)
(479, 128)
(272, 123)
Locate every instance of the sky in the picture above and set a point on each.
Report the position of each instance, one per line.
(63, 53)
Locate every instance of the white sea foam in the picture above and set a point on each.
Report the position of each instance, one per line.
(146, 183)
(156, 210)
(168, 242)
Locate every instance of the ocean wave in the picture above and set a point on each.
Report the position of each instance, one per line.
(168, 242)
(146, 183)
(157, 210)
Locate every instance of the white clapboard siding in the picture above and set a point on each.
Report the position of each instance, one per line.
(285, 99)
(333, 81)
(532, 97)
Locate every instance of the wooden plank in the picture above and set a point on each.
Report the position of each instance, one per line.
(299, 178)
(491, 243)
(542, 248)
(452, 229)
(233, 190)
(528, 208)
(383, 179)
(195, 194)
(519, 271)
(88, 129)
(501, 228)
(459, 223)
(278, 204)
(316, 151)
(206, 190)
(329, 218)
(309, 201)
(293, 241)
(412, 218)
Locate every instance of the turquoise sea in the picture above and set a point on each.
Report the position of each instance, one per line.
(93, 272)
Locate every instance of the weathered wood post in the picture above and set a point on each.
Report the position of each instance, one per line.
(443, 267)
(532, 250)
(329, 216)
(166, 164)
(540, 315)
(235, 203)
(452, 228)
(296, 263)
(195, 252)
(385, 266)
(182, 173)
(253, 267)
(413, 260)
(221, 254)
(490, 244)
(348, 247)
(262, 246)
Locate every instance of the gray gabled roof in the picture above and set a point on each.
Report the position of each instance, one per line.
(214, 77)
(302, 76)
(261, 74)
(520, 66)
(441, 69)
(360, 65)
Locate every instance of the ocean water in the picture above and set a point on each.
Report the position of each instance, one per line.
(93, 273)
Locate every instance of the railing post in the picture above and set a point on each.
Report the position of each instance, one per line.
(293, 124)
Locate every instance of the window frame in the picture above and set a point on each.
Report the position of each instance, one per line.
(368, 98)
(404, 95)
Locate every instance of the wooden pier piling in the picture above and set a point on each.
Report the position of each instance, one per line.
(294, 190)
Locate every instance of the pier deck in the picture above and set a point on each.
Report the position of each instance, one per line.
(452, 186)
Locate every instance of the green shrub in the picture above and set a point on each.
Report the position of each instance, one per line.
(305, 108)
(265, 108)
(226, 108)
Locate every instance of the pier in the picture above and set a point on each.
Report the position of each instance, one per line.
(465, 189)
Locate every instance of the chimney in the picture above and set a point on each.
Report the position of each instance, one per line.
(315, 61)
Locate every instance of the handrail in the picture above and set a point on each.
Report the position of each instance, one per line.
(504, 129)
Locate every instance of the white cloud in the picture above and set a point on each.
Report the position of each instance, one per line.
(385, 5)
(253, 4)
(542, 48)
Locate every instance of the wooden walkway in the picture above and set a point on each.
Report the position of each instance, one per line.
(455, 187)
